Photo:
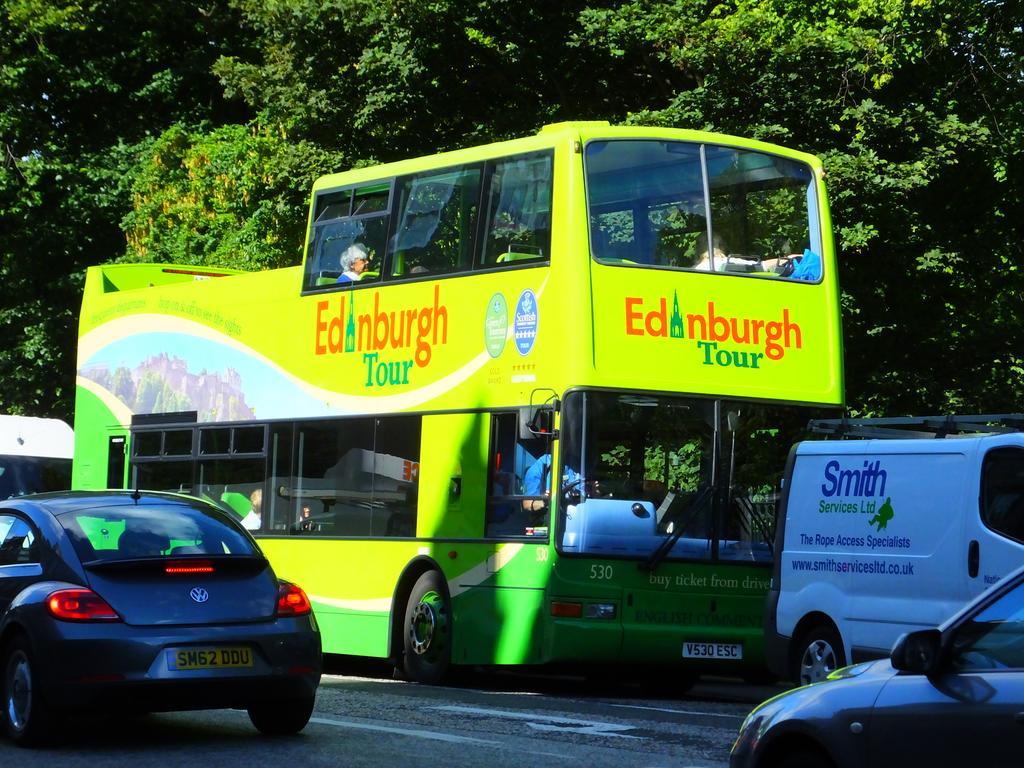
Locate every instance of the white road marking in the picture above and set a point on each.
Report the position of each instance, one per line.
(549, 722)
(416, 733)
(592, 729)
(671, 711)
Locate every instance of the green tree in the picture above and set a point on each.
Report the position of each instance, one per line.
(190, 133)
(917, 111)
(233, 196)
(385, 80)
(80, 86)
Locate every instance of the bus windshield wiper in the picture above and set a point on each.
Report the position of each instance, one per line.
(697, 503)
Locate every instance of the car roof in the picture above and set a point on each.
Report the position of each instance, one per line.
(62, 502)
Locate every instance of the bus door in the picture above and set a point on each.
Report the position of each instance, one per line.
(645, 509)
(117, 458)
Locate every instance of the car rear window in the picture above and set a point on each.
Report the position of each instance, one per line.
(127, 532)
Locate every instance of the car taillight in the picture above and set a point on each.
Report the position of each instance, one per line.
(79, 605)
(292, 601)
(189, 566)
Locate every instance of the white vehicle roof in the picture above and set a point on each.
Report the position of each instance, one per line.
(31, 436)
(949, 444)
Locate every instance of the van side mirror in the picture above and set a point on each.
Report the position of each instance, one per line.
(917, 652)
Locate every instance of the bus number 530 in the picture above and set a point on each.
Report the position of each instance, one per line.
(601, 571)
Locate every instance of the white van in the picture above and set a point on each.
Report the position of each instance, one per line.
(35, 455)
(877, 537)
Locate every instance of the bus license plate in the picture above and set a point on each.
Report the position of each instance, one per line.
(712, 650)
(209, 658)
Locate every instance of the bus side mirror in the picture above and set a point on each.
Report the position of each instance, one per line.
(542, 423)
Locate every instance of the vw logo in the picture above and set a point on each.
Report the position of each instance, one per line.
(199, 594)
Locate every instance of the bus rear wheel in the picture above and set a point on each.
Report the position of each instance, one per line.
(428, 631)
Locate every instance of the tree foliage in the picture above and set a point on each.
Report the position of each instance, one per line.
(191, 133)
(916, 109)
(80, 85)
(385, 79)
(235, 195)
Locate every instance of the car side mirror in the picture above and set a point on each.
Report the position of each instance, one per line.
(917, 652)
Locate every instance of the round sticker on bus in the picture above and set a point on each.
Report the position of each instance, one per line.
(496, 325)
(526, 321)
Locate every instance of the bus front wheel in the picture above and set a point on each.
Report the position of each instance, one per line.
(428, 631)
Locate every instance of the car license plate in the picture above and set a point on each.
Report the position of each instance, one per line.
(712, 650)
(209, 658)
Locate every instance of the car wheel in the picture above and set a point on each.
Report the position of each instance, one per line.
(818, 654)
(282, 718)
(27, 719)
(428, 631)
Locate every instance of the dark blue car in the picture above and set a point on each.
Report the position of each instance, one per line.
(948, 696)
(156, 602)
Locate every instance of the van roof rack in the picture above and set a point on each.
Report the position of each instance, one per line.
(919, 426)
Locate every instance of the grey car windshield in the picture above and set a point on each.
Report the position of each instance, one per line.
(705, 473)
(126, 532)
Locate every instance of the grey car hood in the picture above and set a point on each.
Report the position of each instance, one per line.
(832, 705)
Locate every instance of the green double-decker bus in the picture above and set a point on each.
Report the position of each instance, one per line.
(522, 404)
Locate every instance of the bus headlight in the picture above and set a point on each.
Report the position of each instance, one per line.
(600, 611)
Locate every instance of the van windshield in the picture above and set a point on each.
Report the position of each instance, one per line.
(705, 473)
(1003, 492)
(21, 475)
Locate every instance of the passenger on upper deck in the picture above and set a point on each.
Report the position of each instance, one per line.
(796, 266)
(805, 266)
(707, 260)
(354, 261)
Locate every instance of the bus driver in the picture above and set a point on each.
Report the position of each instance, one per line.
(537, 482)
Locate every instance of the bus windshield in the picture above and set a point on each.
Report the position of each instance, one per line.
(704, 472)
(659, 204)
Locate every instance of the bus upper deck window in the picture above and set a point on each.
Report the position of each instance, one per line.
(518, 213)
(649, 206)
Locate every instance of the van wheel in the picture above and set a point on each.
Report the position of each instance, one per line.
(818, 654)
(428, 631)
